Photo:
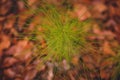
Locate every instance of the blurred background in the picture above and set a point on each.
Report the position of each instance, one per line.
(100, 64)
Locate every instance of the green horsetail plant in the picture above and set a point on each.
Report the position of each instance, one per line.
(64, 35)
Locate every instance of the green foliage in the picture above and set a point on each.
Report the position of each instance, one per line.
(64, 35)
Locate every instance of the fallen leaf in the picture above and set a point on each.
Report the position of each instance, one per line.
(9, 73)
(5, 42)
(107, 50)
(9, 62)
(82, 12)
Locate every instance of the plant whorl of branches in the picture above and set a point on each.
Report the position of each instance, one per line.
(64, 35)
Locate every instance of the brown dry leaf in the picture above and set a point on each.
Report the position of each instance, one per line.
(99, 7)
(11, 50)
(75, 61)
(107, 50)
(23, 50)
(9, 22)
(30, 75)
(71, 76)
(9, 73)
(2, 19)
(9, 61)
(24, 15)
(104, 75)
(32, 2)
(111, 22)
(13, 31)
(112, 10)
(96, 29)
(37, 19)
(106, 63)
(114, 43)
(5, 42)
(89, 61)
(109, 35)
(82, 12)
(5, 7)
(21, 5)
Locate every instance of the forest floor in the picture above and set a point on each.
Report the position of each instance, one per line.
(96, 66)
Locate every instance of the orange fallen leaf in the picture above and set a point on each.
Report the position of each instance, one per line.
(107, 49)
(82, 12)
